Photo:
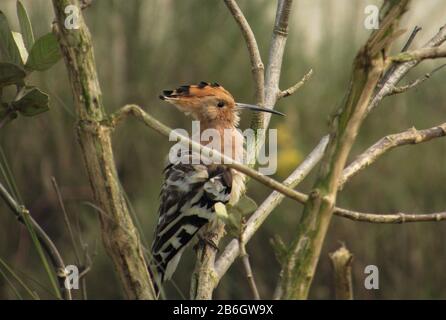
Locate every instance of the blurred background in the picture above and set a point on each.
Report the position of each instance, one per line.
(143, 47)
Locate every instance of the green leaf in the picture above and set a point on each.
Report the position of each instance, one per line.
(32, 102)
(10, 74)
(220, 210)
(25, 26)
(244, 206)
(44, 53)
(18, 38)
(7, 42)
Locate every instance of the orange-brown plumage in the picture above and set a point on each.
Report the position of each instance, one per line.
(209, 103)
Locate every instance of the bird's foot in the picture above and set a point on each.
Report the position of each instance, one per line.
(203, 241)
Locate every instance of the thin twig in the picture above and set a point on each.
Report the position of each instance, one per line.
(291, 90)
(399, 69)
(66, 219)
(411, 38)
(45, 240)
(410, 136)
(413, 84)
(396, 218)
(246, 264)
(393, 66)
(257, 67)
(67, 222)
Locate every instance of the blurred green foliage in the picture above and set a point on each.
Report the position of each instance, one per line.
(143, 47)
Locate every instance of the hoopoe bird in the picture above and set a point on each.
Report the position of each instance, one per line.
(192, 188)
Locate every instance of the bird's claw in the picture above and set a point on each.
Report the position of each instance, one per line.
(203, 241)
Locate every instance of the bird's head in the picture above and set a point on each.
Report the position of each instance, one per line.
(208, 103)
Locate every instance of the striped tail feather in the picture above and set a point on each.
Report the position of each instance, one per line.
(188, 196)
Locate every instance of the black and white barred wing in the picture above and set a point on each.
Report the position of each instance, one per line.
(188, 196)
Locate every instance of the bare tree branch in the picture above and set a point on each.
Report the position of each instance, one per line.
(140, 114)
(291, 90)
(246, 264)
(261, 120)
(413, 84)
(410, 136)
(420, 54)
(389, 81)
(368, 67)
(257, 67)
(202, 284)
(411, 38)
(389, 218)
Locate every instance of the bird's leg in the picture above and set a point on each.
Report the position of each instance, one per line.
(206, 239)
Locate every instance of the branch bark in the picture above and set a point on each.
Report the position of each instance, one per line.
(291, 90)
(119, 234)
(421, 54)
(246, 263)
(369, 65)
(257, 67)
(400, 69)
(410, 136)
(413, 84)
(341, 260)
(261, 120)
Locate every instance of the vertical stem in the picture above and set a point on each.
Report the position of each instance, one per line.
(261, 120)
(303, 256)
(119, 234)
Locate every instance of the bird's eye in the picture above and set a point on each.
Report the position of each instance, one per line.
(221, 104)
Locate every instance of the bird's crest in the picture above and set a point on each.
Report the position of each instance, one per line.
(201, 90)
(204, 101)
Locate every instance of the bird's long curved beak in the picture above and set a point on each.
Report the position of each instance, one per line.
(242, 106)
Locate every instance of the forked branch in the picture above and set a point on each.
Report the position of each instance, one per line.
(410, 136)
